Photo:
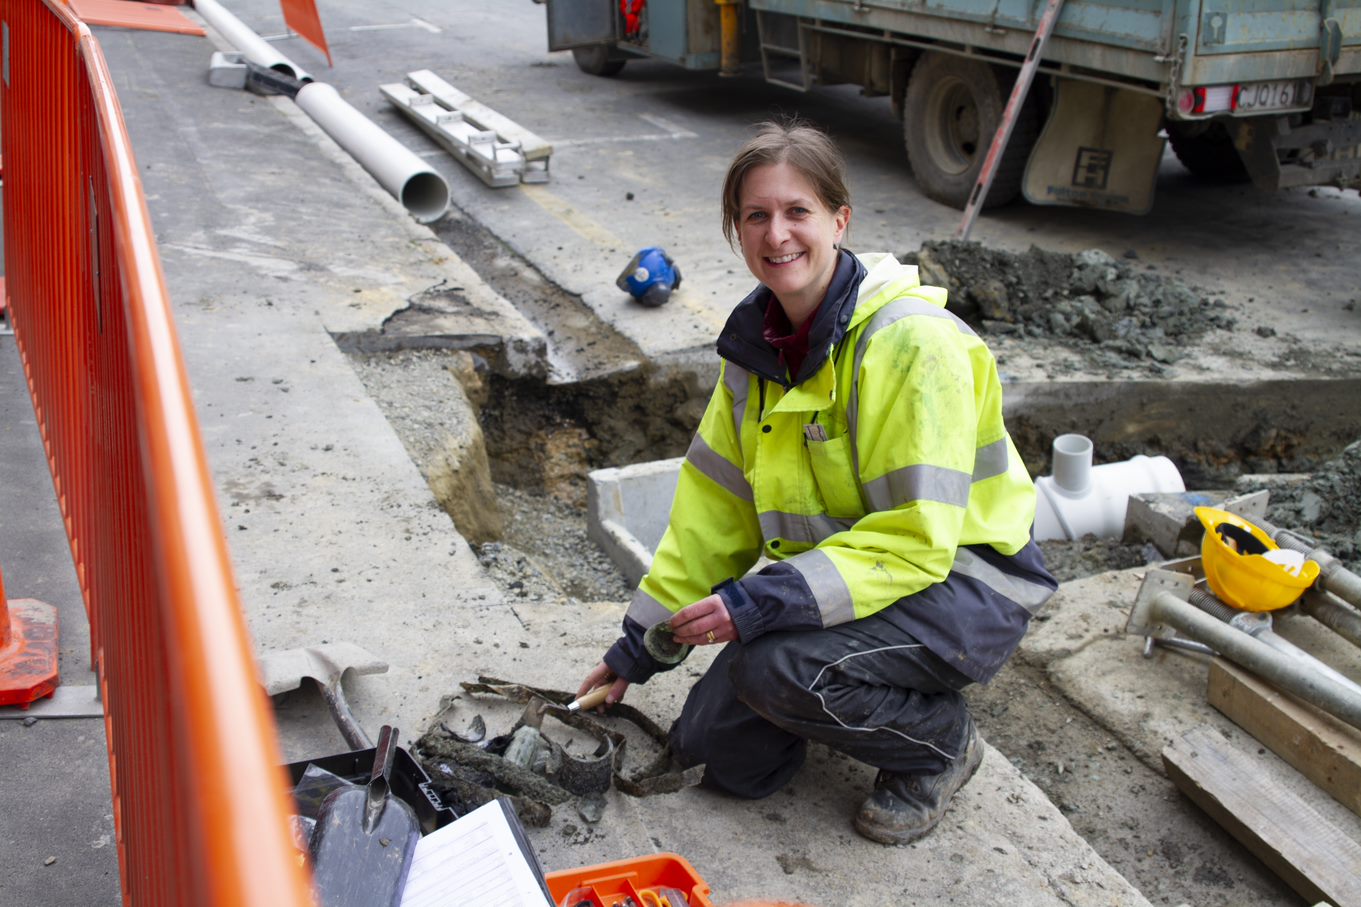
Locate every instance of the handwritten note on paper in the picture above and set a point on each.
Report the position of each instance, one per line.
(474, 862)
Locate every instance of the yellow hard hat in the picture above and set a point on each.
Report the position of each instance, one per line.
(1241, 569)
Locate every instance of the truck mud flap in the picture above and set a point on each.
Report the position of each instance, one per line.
(1099, 149)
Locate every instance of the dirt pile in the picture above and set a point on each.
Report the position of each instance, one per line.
(1326, 506)
(1090, 298)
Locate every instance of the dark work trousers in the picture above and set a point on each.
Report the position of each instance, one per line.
(868, 688)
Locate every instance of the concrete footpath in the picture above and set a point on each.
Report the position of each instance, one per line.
(273, 244)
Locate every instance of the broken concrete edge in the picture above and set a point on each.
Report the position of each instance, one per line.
(522, 346)
(514, 357)
(1168, 519)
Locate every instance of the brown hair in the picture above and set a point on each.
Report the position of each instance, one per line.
(805, 148)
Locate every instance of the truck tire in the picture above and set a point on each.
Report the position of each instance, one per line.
(951, 110)
(598, 60)
(1207, 151)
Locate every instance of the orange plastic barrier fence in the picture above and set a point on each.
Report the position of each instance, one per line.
(199, 795)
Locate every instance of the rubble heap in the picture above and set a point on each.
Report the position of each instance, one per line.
(1327, 506)
(1087, 298)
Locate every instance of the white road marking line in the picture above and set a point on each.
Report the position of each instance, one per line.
(661, 123)
(410, 23)
(673, 132)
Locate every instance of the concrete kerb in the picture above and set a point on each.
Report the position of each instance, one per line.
(627, 509)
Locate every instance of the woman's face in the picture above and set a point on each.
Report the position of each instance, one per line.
(788, 236)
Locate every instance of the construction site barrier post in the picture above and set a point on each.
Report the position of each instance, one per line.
(200, 800)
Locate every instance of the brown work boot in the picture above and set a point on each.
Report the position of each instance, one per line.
(904, 808)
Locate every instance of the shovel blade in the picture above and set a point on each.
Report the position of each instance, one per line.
(357, 868)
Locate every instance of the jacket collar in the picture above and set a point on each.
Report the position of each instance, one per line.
(742, 343)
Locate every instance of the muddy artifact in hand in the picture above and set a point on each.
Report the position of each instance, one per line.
(661, 644)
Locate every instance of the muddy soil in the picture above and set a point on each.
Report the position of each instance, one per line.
(1116, 313)
(1092, 313)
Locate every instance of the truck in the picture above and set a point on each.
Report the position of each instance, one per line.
(1266, 91)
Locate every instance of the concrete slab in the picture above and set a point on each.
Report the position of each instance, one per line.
(627, 511)
(1002, 841)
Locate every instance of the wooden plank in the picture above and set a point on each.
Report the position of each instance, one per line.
(1324, 749)
(1283, 831)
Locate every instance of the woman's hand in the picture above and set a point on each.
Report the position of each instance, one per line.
(704, 623)
(600, 675)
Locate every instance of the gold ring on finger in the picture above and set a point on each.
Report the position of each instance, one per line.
(710, 636)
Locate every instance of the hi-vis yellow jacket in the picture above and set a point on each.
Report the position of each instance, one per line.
(864, 480)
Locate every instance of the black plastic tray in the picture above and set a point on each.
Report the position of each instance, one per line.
(408, 781)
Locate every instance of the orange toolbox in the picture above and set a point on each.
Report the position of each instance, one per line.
(646, 881)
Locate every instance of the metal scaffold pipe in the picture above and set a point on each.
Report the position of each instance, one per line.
(1333, 614)
(239, 35)
(410, 180)
(1285, 671)
(1260, 626)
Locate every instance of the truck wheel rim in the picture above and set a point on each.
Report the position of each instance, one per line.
(952, 127)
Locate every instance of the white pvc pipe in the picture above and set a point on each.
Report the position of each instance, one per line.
(239, 35)
(1072, 464)
(1081, 499)
(410, 180)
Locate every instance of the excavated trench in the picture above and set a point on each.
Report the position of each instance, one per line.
(507, 457)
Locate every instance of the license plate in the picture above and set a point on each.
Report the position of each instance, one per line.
(1284, 95)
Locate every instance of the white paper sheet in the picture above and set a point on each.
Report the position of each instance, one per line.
(476, 861)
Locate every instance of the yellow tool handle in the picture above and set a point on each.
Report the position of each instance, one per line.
(590, 700)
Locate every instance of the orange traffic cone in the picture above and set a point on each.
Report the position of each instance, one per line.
(28, 650)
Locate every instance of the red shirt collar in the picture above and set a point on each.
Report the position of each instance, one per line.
(791, 345)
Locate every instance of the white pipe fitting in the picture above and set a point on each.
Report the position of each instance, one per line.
(255, 48)
(410, 180)
(1080, 499)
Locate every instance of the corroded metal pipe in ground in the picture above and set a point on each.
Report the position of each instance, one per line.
(1285, 672)
(240, 36)
(407, 177)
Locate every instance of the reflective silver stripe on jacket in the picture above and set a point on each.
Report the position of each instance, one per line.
(799, 527)
(725, 475)
(735, 377)
(646, 610)
(991, 460)
(919, 483)
(825, 582)
(1023, 592)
